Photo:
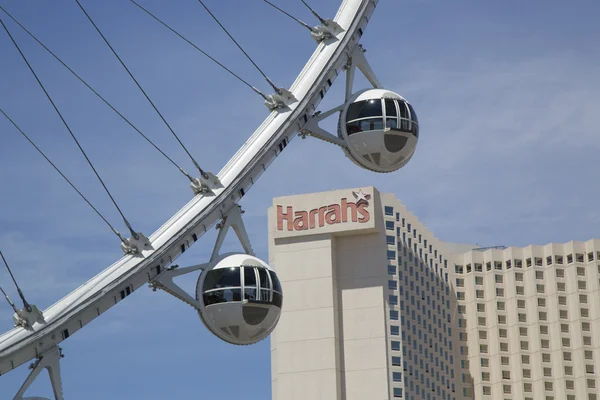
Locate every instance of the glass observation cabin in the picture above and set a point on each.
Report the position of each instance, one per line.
(380, 114)
(253, 284)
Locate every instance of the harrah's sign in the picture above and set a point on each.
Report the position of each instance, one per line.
(332, 214)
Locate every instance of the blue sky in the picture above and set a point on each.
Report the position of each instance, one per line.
(506, 94)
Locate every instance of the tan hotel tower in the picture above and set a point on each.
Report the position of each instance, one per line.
(377, 308)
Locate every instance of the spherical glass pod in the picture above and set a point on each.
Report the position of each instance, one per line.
(240, 299)
(380, 128)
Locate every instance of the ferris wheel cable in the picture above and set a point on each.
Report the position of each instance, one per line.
(9, 301)
(277, 90)
(200, 50)
(133, 233)
(96, 93)
(21, 295)
(112, 228)
(304, 24)
(321, 19)
(202, 172)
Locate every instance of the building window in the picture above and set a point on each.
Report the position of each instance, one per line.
(393, 300)
(394, 315)
(391, 270)
(389, 211)
(541, 302)
(389, 225)
(539, 274)
(397, 376)
(538, 261)
(398, 392)
(394, 330)
(520, 290)
(391, 255)
(395, 345)
(396, 361)
(391, 240)
(519, 277)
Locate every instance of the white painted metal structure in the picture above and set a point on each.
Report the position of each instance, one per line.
(68, 315)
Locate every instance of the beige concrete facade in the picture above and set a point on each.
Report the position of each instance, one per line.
(375, 307)
(532, 316)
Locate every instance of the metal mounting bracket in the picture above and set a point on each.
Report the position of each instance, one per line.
(280, 99)
(50, 360)
(136, 244)
(326, 31)
(26, 318)
(206, 185)
(164, 281)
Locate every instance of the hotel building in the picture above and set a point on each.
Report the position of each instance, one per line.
(375, 307)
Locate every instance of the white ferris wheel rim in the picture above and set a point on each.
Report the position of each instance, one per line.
(95, 296)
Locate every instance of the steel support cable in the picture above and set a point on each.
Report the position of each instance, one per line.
(112, 228)
(277, 90)
(199, 49)
(304, 24)
(9, 301)
(133, 233)
(202, 172)
(321, 19)
(96, 93)
(25, 303)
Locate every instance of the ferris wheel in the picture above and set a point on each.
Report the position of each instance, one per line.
(238, 296)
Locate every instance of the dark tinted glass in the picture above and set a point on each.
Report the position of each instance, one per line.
(224, 277)
(391, 123)
(222, 296)
(404, 125)
(415, 130)
(275, 280)
(264, 278)
(364, 109)
(390, 108)
(277, 299)
(251, 294)
(352, 127)
(265, 295)
(413, 114)
(403, 109)
(249, 277)
(363, 125)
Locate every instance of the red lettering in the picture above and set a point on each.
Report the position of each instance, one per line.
(345, 207)
(364, 213)
(287, 217)
(331, 215)
(312, 215)
(301, 221)
(322, 216)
